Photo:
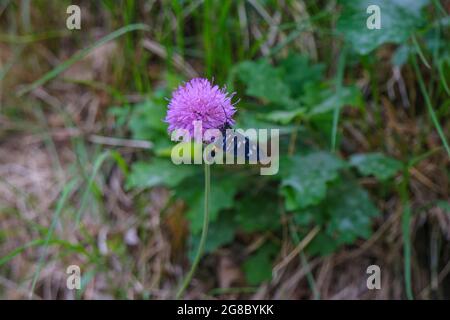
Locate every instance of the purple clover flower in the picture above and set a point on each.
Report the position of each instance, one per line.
(199, 100)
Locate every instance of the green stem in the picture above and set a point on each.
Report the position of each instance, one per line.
(427, 99)
(201, 246)
(406, 233)
(339, 80)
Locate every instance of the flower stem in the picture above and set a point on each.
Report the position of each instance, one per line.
(201, 246)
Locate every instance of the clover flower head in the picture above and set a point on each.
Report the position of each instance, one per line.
(199, 100)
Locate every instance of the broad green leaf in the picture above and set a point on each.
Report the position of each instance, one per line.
(322, 244)
(376, 164)
(320, 98)
(345, 215)
(221, 197)
(264, 81)
(298, 71)
(258, 212)
(220, 233)
(158, 172)
(399, 19)
(305, 178)
(315, 93)
(284, 116)
(350, 210)
(308, 216)
(249, 119)
(147, 123)
(345, 96)
(147, 118)
(258, 267)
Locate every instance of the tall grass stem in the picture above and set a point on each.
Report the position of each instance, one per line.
(339, 81)
(406, 234)
(431, 112)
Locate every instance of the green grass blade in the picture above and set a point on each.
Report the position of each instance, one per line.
(439, 6)
(60, 205)
(16, 55)
(406, 234)
(420, 52)
(305, 264)
(442, 77)
(339, 80)
(30, 38)
(80, 55)
(97, 164)
(207, 36)
(406, 231)
(429, 106)
(39, 242)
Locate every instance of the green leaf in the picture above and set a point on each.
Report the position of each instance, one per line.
(147, 118)
(220, 233)
(258, 212)
(399, 19)
(298, 71)
(322, 245)
(308, 216)
(147, 123)
(345, 96)
(376, 164)
(120, 113)
(258, 267)
(315, 93)
(344, 216)
(256, 120)
(322, 98)
(284, 117)
(264, 81)
(221, 197)
(158, 172)
(350, 210)
(305, 178)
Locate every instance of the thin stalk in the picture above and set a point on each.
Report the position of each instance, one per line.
(439, 6)
(420, 52)
(442, 77)
(309, 276)
(406, 234)
(59, 208)
(339, 80)
(201, 246)
(433, 116)
(304, 262)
